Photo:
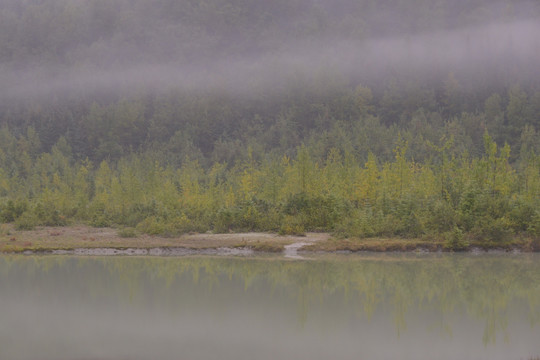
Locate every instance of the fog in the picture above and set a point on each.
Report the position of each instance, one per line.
(162, 55)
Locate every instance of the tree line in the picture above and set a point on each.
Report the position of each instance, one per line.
(439, 152)
(456, 198)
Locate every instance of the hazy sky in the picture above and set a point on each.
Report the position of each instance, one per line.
(122, 65)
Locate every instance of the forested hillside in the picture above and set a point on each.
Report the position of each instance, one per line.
(366, 118)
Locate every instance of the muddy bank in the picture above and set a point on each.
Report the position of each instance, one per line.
(517, 244)
(84, 240)
(163, 251)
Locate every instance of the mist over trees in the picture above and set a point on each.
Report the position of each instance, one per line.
(221, 89)
(98, 71)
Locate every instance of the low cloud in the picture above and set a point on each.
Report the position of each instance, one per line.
(488, 50)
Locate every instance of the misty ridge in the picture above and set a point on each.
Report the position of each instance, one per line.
(64, 47)
(208, 79)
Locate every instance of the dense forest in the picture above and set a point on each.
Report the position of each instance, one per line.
(365, 118)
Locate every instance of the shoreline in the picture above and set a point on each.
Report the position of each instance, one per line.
(85, 240)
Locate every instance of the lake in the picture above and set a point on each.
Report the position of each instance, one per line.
(369, 306)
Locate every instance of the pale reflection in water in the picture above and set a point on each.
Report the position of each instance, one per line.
(331, 307)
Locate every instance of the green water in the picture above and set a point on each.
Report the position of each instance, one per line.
(332, 307)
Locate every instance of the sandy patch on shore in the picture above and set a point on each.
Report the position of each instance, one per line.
(82, 237)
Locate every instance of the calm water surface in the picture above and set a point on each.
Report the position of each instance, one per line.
(331, 307)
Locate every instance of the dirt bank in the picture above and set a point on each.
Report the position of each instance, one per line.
(85, 240)
(108, 241)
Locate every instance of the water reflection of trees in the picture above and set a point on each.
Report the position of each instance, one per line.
(480, 287)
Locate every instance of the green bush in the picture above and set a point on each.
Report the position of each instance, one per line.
(137, 213)
(292, 225)
(493, 230)
(408, 224)
(534, 226)
(468, 209)
(170, 226)
(271, 220)
(224, 220)
(27, 221)
(365, 223)
(48, 214)
(152, 226)
(251, 215)
(439, 217)
(360, 224)
(127, 232)
(182, 224)
(521, 216)
(99, 216)
(12, 210)
(455, 240)
(317, 212)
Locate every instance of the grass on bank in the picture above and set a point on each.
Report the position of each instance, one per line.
(400, 245)
(43, 239)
